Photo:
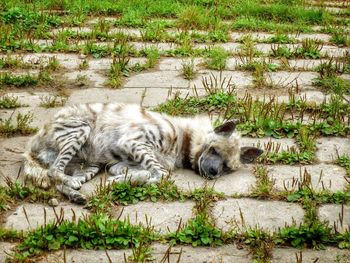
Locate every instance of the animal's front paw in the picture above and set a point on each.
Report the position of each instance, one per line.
(72, 182)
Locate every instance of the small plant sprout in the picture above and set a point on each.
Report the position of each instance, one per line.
(217, 57)
(21, 125)
(52, 101)
(188, 69)
(9, 102)
(84, 65)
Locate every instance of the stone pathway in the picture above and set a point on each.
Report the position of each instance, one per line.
(238, 209)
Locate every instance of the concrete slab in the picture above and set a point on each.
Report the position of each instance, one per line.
(321, 176)
(238, 79)
(189, 254)
(36, 215)
(5, 250)
(158, 79)
(11, 159)
(328, 148)
(291, 255)
(176, 63)
(163, 216)
(88, 76)
(268, 215)
(338, 216)
(241, 181)
(160, 253)
(286, 79)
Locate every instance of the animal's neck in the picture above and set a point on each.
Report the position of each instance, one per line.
(193, 136)
(186, 149)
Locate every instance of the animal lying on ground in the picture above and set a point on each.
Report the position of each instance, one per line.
(132, 143)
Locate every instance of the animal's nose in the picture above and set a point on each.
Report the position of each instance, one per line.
(213, 171)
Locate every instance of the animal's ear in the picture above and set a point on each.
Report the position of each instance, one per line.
(226, 129)
(249, 154)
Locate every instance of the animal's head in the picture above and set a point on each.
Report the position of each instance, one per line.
(222, 153)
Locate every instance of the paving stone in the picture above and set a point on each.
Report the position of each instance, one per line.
(328, 255)
(334, 51)
(277, 145)
(36, 216)
(95, 20)
(11, 159)
(176, 63)
(158, 79)
(336, 215)
(134, 32)
(328, 147)
(29, 98)
(312, 96)
(229, 46)
(105, 63)
(98, 80)
(87, 256)
(305, 64)
(268, 215)
(189, 254)
(105, 95)
(160, 46)
(319, 36)
(288, 79)
(256, 36)
(163, 216)
(41, 116)
(239, 79)
(5, 250)
(322, 176)
(238, 182)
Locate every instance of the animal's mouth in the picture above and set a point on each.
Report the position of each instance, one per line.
(204, 174)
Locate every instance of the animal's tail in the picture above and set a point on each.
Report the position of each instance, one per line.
(35, 173)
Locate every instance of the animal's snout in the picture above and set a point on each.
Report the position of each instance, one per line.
(213, 171)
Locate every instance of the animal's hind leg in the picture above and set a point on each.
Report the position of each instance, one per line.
(86, 174)
(70, 136)
(128, 172)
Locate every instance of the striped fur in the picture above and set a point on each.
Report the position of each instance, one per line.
(133, 143)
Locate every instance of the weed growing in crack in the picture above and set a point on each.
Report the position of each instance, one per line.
(84, 65)
(126, 193)
(152, 55)
(188, 70)
(260, 243)
(315, 234)
(281, 39)
(281, 51)
(101, 201)
(21, 126)
(52, 101)
(8, 79)
(340, 39)
(10, 62)
(9, 102)
(15, 191)
(10, 235)
(264, 185)
(310, 48)
(199, 231)
(344, 161)
(53, 64)
(154, 31)
(93, 232)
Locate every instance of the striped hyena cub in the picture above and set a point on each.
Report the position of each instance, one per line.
(132, 143)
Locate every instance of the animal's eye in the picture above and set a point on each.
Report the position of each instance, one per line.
(213, 151)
